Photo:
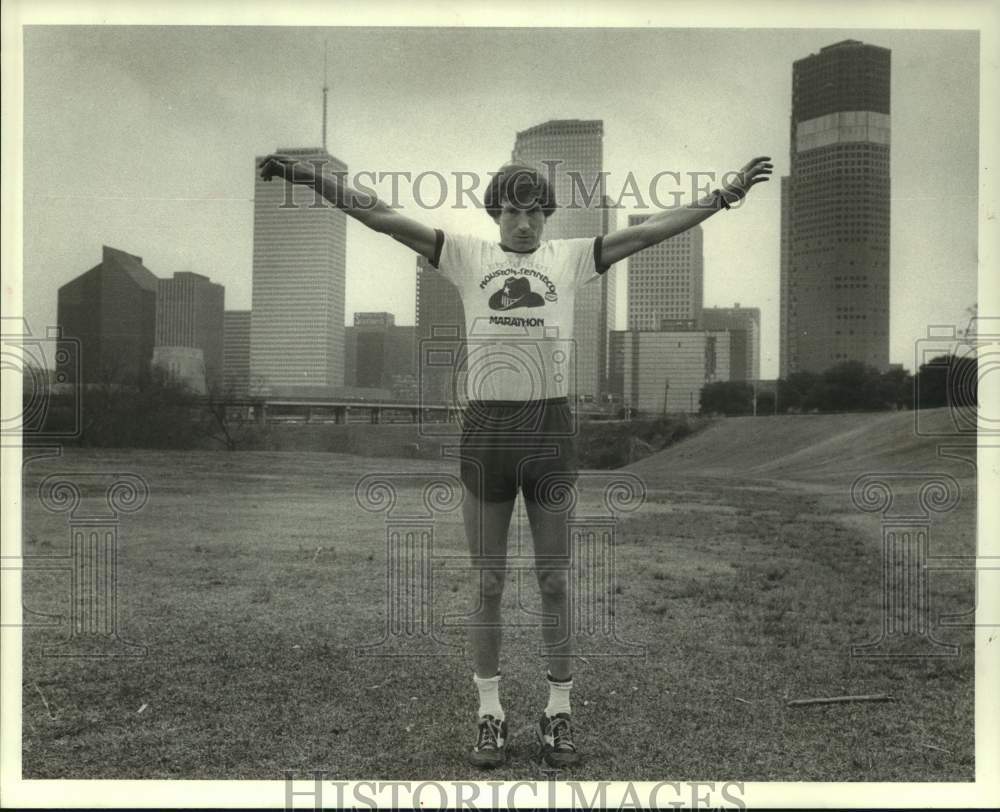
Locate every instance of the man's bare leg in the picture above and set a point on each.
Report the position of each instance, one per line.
(552, 561)
(486, 528)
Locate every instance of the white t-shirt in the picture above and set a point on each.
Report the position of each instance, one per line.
(518, 312)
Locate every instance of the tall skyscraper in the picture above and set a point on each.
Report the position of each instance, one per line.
(440, 334)
(111, 310)
(665, 282)
(784, 300)
(236, 352)
(189, 314)
(571, 153)
(835, 207)
(606, 304)
(299, 272)
(743, 324)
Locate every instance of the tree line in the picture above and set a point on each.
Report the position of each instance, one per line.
(154, 410)
(852, 386)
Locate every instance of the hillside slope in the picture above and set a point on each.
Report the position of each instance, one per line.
(812, 447)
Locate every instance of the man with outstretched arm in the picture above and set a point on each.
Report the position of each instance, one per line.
(517, 429)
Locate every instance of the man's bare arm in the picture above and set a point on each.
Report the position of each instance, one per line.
(363, 207)
(665, 224)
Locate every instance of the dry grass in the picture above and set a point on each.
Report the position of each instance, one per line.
(252, 577)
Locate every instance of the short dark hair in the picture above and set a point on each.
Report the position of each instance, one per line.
(521, 185)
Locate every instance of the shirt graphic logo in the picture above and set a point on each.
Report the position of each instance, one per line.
(516, 293)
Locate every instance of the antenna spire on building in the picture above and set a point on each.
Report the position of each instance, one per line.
(325, 90)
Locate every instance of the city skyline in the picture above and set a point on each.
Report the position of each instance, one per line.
(254, 97)
(140, 138)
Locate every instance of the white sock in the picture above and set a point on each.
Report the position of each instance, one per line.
(558, 696)
(489, 696)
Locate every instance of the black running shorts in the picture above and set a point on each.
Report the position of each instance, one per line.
(511, 445)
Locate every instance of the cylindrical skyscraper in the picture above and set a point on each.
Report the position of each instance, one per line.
(835, 211)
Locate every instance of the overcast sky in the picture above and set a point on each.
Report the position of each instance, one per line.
(143, 138)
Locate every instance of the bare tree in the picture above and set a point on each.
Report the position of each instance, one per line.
(230, 421)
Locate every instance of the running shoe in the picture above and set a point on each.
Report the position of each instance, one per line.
(555, 737)
(490, 749)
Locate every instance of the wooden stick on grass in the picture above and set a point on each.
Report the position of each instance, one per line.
(833, 700)
(45, 702)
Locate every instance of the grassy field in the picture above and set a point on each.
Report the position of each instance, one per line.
(253, 576)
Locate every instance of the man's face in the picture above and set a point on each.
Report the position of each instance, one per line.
(520, 228)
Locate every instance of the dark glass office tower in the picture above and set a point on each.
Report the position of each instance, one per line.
(835, 211)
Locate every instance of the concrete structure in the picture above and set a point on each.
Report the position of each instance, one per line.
(439, 336)
(353, 405)
(662, 372)
(743, 324)
(299, 256)
(405, 388)
(364, 349)
(111, 310)
(185, 365)
(666, 281)
(379, 354)
(189, 314)
(835, 211)
(236, 352)
(570, 153)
